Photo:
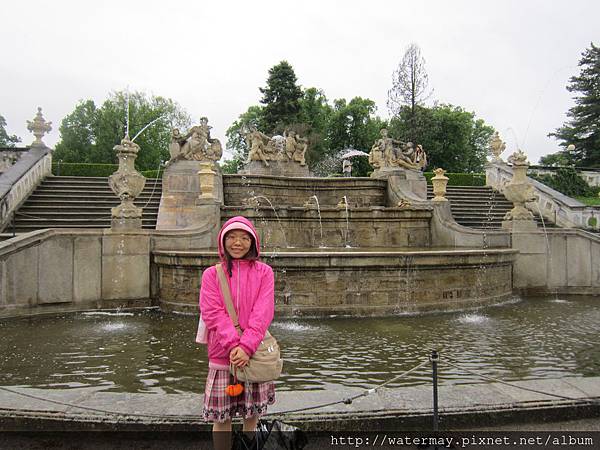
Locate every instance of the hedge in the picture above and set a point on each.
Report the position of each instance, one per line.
(93, 170)
(567, 181)
(106, 170)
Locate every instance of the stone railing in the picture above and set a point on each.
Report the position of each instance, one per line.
(9, 156)
(555, 207)
(591, 176)
(17, 183)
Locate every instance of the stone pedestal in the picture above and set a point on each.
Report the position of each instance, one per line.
(126, 216)
(125, 266)
(519, 225)
(182, 197)
(407, 180)
(283, 168)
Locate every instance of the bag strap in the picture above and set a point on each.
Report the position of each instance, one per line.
(227, 296)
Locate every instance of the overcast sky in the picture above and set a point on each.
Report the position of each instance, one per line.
(507, 61)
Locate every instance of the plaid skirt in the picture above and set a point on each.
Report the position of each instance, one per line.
(218, 406)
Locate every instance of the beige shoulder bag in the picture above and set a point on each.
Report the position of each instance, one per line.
(266, 363)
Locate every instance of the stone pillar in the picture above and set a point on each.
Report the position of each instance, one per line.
(191, 191)
(440, 181)
(207, 177)
(519, 191)
(127, 183)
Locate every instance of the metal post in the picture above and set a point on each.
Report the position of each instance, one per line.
(434, 358)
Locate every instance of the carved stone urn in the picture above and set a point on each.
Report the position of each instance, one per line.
(497, 147)
(439, 181)
(519, 192)
(127, 183)
(38, 126)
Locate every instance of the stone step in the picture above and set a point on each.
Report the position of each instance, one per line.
(73, 214)
(471, 196)
(98, 188)
(58, 179)
(38, 224)
(81, 202)
(73, 203)
(87, 194)
(28, 228)
(479, 201)
(77, 208)
(483, 210)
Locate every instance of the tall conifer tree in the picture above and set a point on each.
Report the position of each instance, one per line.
(281, 97)
(583, 127)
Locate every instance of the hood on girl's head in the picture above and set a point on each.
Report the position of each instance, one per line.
(237, 223)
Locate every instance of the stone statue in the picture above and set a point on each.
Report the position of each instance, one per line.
(175, 146)
(196, 145)
(290, 143)
(300, 150)
(392, 153)
(258, 141)
(289, 147)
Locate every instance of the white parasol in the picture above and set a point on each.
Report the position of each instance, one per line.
(352, 152)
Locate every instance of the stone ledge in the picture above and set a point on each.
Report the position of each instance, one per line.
(406, 408)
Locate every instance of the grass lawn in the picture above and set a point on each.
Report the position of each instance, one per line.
(590, 201)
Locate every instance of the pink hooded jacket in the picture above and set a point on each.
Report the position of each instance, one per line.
(252, 287)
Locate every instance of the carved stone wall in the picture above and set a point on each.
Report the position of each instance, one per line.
(360, 192)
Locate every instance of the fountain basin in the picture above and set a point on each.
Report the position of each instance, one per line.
(354, 282)
(149, 352)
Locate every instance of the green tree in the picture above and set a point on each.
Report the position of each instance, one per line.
(236, 133)
(353, 125)
(557, 159)
(315, 113)
(89, 133)
(7, 140)
(78, 134)
(452, 137)
(583, 127)
(281, 98)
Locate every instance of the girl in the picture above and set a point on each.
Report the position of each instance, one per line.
(251, 283)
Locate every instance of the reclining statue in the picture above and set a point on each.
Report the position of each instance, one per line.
(196, 144)
(387, 152)
(289, 147)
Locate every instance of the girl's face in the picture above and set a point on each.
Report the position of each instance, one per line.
(237, 243)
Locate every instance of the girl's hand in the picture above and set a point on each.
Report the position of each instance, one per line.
(238, 357)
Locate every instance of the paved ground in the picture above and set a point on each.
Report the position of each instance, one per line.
(153, 421)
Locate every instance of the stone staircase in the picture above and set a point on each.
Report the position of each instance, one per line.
(79, 202)
(85, 202)
(479, 207)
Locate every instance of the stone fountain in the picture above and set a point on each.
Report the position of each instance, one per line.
(384, 251)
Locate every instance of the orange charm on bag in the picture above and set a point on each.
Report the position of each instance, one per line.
(235, 389)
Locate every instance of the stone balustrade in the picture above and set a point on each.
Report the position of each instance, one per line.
(555, 207)
(591, 176)
(9, 156)
(17, 183)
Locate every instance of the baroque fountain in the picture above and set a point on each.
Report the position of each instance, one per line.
(350, 247)
(345, 246)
